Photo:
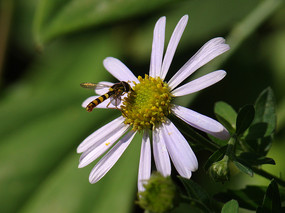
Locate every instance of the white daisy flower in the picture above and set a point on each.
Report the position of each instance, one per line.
(145, 109)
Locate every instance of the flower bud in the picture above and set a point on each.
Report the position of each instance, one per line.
(159, 195)
(219, 171)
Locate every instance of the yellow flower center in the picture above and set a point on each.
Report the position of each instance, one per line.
(148, 104)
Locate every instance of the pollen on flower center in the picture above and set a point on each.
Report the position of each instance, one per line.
(148, 104)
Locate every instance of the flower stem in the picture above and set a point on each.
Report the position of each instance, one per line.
(230, 152)
(211, 146)
(231, 147)
(268, 176)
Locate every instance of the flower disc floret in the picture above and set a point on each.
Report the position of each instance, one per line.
(148, 104)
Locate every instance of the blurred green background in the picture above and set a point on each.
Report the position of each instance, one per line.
(48, 47)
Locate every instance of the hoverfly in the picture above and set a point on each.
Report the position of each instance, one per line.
(115, 92)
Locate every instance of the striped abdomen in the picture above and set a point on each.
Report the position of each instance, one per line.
(98, 100)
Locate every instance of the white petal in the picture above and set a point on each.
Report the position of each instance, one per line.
(108, 160)
(179, 150)
(145, 162)
(172, 45)
(119, 70)
(199, 83)
(161, 157)
(206, 53)
(103, 132)
(100, 90)
(201, 122)
(100, 147)
(157, 47)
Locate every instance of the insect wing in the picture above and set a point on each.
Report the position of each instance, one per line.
(100, 88)
(115, 100)
(103, 87)
(88, 85)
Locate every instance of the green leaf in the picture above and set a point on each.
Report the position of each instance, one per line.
(197, 194)
(254, 159)
(38, 147)
(53, 80)
(217, 140)
(271, 201)
(226, 115)
(67, 188)
(260, 133)
(54, 18)
(48, 121)
(256, 131)
(230, 207)
(216, 156)
(249, 197)
(243, 168)
(244, 118)
(260, 146)
(265, 110)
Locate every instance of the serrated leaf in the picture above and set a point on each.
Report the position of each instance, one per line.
(230, 207)
(244, 118)
(271, 201)
(226, 115)
(265, 110)
(243, 168)
(216, 156)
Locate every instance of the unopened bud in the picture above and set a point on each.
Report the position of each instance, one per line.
(219, 171)
(159, 195)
